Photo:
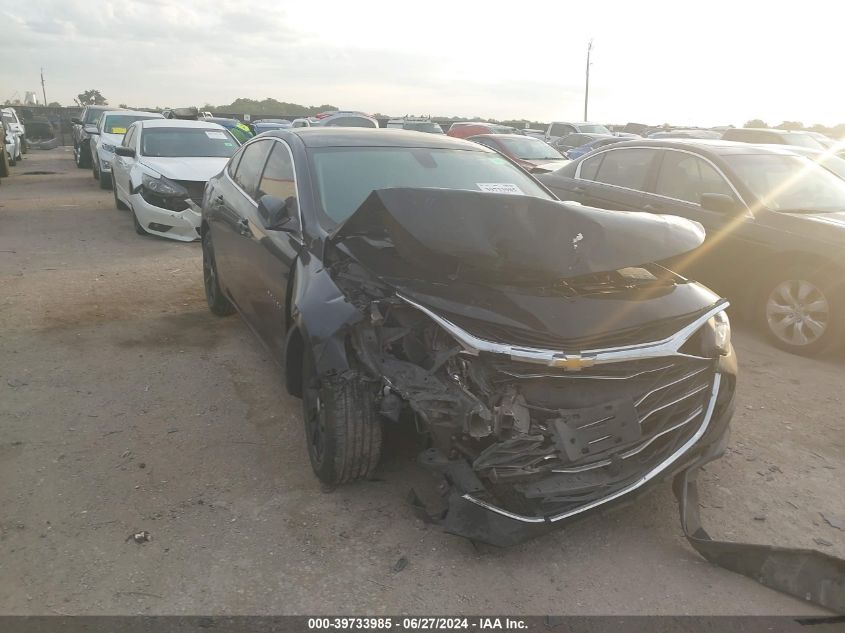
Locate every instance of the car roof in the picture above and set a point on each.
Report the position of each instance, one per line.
(179, 123)
(375, 137)
(521, 137)
(768, 129)
(100, 107)
(716, 147)
(141, 112)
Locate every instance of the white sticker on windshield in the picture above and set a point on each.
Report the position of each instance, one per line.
(218, 135)
(499, 187)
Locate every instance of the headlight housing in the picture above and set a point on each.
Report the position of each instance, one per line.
(108, 148)
(716, 335)
(163, 186)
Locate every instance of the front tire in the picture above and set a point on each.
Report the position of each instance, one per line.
(4, 164)
(217, 301)
(342, 426)
(800, 312)
(105, 180)
(138, 228)
(79, 157)
(118, 204)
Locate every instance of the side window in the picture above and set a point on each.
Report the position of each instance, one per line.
(590, 167)
(561, 129)
(249, 168)
(626, 168)
(233, 165)
(278, 178)
(686, 177)
(129, 136)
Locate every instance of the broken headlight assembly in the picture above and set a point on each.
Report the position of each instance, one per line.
(108, 148)
(163, 186)
(716, 335)
(163, 192)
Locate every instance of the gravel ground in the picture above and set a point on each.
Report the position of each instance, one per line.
(126, 406)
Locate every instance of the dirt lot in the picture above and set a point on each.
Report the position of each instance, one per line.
(125, 406)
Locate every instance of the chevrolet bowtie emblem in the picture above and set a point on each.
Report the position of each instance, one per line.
(571, 363)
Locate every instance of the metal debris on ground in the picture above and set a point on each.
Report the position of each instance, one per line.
(400, 564)
(140, 537)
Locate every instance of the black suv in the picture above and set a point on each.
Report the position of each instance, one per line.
(775, 224)
(428, 283)
(81, 140)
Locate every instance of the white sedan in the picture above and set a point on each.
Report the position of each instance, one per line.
(160, 170)
(107, 135)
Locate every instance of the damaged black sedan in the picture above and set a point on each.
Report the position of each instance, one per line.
(420, 280)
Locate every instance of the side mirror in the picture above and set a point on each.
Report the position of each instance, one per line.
(279, 214)
(721, 203)
(76, 120)
(91, 130)
(128, 152)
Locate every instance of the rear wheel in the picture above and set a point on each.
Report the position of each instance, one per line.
(24, 146)
(105, 180)
(217, 301)
(342, 426)
(4, 163)
(79, 157)
(800, 312)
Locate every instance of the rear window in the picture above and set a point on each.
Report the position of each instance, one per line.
(351, 121)
(92, 116)
(119, 123)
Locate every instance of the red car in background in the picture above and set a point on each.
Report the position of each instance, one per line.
(465, 129)
(526, 151)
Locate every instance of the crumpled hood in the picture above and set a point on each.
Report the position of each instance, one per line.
(505, 236)
(199, 169)
(494, 264)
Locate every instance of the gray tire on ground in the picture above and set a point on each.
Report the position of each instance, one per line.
(105, 181)
(342, 411)
(4, 163)
(138, 228)
(118, 204)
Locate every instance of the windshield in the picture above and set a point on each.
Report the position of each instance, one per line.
(187, 142)
(347, 175)
(803, 140)
(593, 129)
(117, 123)
(789, 183)
(425, 126)
(8, 118)
(530, 148)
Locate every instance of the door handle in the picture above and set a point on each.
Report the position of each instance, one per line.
(578, 190)
(243, 228)
(218, 199)
(650, 207)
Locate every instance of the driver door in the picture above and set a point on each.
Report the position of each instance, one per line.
(122, 165)
(269, 254)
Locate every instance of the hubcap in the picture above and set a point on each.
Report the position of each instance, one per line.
(797, 312)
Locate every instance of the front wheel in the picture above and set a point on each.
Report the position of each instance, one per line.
(218, 303)
(105, 180)
(800, 313)
(342, 426)
(78, 157)
(118, 204)
(4, 163)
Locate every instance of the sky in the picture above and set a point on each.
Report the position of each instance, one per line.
(685, 63)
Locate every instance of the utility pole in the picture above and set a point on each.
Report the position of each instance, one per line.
(43, 90)
(587, 87)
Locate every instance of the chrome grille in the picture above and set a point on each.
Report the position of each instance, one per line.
(670, 395)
